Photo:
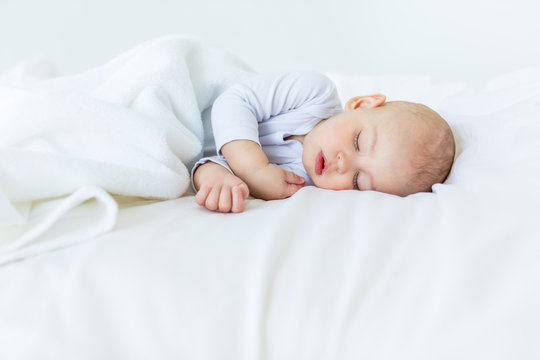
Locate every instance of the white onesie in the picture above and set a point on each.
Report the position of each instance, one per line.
(268, 108)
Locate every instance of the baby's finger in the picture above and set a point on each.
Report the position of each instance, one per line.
(200, 197)
(238, 198)
(244, 189)
(225, 199)
(292, 188)
(292, 178)
(212, 201)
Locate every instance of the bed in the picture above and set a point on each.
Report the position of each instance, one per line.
(321, 275)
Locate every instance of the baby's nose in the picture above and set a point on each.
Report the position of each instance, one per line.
(341, 162)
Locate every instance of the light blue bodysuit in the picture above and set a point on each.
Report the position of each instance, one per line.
(266, 109)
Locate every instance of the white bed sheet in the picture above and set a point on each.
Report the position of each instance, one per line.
(322, 275)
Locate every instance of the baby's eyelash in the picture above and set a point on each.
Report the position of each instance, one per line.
(355, 177)
(355, 182)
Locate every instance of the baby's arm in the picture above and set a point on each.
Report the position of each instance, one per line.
(218, 189)
(265, 181)
(239, 111)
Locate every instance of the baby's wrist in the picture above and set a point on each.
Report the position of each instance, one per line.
(255, 173)
(205, 171)
(261, 182)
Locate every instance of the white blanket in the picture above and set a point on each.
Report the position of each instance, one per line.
(128, 127)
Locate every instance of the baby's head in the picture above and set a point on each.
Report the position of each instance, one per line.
(394, 147)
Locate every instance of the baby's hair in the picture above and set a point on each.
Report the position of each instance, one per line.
(435, 151)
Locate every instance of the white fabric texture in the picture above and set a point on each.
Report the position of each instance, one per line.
(129, 127)
(451, 274)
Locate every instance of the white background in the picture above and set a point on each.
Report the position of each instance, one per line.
(448, 40)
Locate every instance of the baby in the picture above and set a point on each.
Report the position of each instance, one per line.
(276, 133)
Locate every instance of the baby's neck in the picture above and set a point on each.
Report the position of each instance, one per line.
(295, 137)
(301, 138)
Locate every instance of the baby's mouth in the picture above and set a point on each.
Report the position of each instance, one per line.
(320, 163)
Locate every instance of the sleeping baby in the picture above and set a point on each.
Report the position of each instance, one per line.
(275, 133)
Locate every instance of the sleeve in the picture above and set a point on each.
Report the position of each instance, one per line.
(220, 160)
(237, 112)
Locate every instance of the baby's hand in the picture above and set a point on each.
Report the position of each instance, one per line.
(272, 182)
(222, 192)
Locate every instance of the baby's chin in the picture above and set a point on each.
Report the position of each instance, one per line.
(317, 184)
(316, 181)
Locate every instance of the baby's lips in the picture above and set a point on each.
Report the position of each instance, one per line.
(319, 163)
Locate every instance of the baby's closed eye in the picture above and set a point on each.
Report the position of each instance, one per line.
(356, 141)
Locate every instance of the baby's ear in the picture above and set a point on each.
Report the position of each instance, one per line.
(365, 102)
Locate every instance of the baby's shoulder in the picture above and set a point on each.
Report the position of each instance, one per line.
(311, 78)
(295, 78)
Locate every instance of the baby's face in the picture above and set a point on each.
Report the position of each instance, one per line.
(363, 149)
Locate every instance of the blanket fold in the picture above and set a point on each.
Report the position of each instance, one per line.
(129, 127)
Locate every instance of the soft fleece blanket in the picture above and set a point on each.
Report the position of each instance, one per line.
(128, 127)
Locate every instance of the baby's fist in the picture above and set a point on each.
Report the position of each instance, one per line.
(224, 193)
(273, 182)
